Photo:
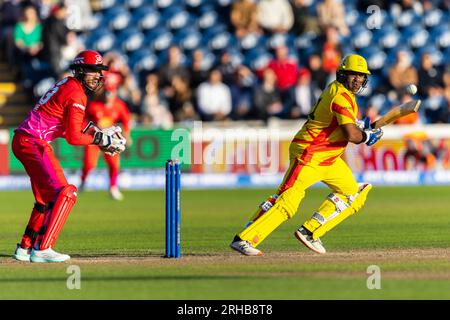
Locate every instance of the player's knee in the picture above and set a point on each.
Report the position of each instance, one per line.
(357, 201)
(289, 201)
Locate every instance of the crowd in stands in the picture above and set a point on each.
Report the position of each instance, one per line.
(219, 60)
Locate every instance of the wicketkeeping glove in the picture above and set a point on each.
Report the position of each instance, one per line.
(373, 136)
(110, 140)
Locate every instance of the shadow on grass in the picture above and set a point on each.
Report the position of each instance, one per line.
(131, 278)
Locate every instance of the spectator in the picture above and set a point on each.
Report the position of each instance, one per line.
(54, 35)
(319, 77)
(180, 103)
(304, 22)
(10, 11)
(429, 76)
(267, 99)
(244, 18)
(304, 96)
(214, 98)
(199, 70)
(70, 50)
(170, 69)
(286, 70)
(128, 89)
(227, 68)
(241, 93)
(28, 43)
(436, 106)
(275, 15)
(402, 72)
(154, 109)
(331, 13)
(331, 52)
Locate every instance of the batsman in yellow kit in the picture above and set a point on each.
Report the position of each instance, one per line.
(315, 155)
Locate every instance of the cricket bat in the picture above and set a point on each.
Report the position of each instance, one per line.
(396, 113)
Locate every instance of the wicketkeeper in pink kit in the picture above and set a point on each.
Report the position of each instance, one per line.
(59, 113)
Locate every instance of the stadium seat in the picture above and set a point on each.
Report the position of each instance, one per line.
(143, 60)
(221, 41)
(101, 40)
(146, 18)
(257, 59)
(207, 18)
(415, 36)
(129, 40)
(352, 18)
(407, 18)
(166, 4)
(158, 39)
(437, 56)
(209, 58)
(188, 38)
(251, 41)
(176, 18)
(388, 38)
(117, 18)
(375, 57)
(361, 37)
(433, 18)
(279, 39)
(194, 4)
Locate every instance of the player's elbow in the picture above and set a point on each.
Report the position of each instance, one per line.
(352, 133)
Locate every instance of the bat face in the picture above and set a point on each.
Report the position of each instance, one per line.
(396, 113)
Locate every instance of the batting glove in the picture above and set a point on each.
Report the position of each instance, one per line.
(363, 124)
(372, 136)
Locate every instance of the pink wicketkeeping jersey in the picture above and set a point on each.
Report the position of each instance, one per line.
(59, 113)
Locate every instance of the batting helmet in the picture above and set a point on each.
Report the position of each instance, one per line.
(354, 62)
(90, 59)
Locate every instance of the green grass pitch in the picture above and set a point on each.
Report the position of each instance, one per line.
(118, 247)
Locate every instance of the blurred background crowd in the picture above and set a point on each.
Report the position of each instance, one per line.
(221, 60)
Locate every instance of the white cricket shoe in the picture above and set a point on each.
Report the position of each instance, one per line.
(307, 239)
(47, 255)
(245, 248)
(21, 254)
(115, 193)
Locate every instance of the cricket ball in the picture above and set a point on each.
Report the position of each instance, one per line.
(411, 89)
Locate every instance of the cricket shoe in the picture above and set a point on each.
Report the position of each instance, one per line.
(245, 248)
(47, 256)
(115, 193)
(21, 254)
(306, 238)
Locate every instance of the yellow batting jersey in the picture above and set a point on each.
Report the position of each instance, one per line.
(321, 141)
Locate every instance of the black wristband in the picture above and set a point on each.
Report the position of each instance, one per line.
(364, 134)
(97, 137)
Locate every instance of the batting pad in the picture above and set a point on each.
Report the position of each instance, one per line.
(355, 203)
(58, 216)
(285, 208)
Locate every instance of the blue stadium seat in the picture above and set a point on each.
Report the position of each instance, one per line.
(415, 36)
(146, 18)
(158, 39)
(407, 18)
(352, 18)
(433, 18)
(207, 18)
(195, 4)
(188, 38)
(107, 4)
(279, 39)
(252, 41)
(257, 58)
(361, 37)
(143, 60)
(176, 18)
(117, 18)
(376, 58)
(95, 21)
(221, 41)
(129, 40)
(388, 38)
(166, 4)
(101, 40)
